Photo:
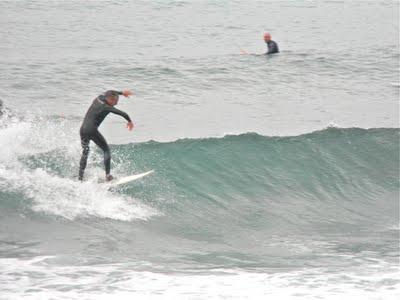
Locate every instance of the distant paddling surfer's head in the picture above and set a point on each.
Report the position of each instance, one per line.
(267, 37)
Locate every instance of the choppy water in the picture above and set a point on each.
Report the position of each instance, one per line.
(275, 177)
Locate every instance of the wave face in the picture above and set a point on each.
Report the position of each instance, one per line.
(212, 188)
(250, 188)
(319, 201)
(333, 174)
(333, 166)
(330, 176)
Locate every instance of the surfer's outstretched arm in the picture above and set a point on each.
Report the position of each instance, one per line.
(119, 112)
(113, 101)
(122, 114)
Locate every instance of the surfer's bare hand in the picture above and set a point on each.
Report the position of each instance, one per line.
(130, 126)
(127, 93)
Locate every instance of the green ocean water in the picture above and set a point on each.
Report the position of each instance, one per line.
(226, 189)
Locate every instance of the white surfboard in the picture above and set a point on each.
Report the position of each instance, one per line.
(130, 178)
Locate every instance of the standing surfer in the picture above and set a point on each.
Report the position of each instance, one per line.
(100, 108)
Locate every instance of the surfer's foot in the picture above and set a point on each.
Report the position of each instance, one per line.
(109, 177)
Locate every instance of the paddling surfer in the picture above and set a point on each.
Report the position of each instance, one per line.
(272, 46)
(100, 108)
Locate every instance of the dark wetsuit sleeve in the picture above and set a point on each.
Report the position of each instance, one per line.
(119, 112)
(272, 47)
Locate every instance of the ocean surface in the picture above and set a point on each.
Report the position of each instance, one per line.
(275, 177)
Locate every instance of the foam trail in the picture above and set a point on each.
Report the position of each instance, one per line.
(48, 192)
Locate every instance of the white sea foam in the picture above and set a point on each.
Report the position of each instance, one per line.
(122, 281)
(50, 193)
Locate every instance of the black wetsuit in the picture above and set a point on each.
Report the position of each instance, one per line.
(89, 131)
(272, 47)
